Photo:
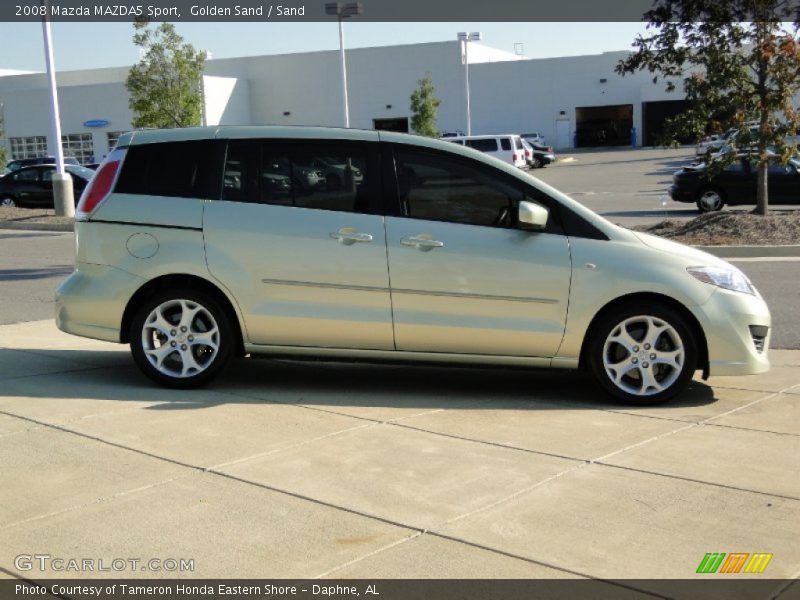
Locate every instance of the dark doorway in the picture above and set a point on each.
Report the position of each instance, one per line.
(399, 125)
(653, 116)
(603, 125)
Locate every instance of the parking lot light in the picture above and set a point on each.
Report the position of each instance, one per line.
(344, 11)
(465, 38)
(63, 197)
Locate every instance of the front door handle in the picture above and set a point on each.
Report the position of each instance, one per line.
(423, 242)
(349, 236)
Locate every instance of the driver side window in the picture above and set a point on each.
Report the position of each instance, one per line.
(437, 188)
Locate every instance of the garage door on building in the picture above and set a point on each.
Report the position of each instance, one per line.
(399, 125)
(654, 114)
(603, 125)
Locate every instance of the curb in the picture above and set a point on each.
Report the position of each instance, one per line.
(37, 226)
(752, 251)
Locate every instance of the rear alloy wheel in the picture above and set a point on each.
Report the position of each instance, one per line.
(181, 339)
(710, 200)
(7, 201)
(537, 163)
(643, 356)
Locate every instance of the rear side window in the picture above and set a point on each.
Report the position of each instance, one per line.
(505, 144)
(484, 145)
(177, 169)
(320, 175)
(27, 175)
(518, 143)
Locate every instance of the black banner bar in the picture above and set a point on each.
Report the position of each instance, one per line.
(314, 10)
(711, 588)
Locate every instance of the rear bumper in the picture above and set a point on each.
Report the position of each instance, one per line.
(90, 302)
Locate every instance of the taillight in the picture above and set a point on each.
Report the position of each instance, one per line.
(514, 157)
(550, 149)
(100, 186)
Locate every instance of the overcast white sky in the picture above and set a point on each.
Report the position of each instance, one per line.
(92, 45)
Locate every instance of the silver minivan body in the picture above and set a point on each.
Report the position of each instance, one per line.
(416, 268)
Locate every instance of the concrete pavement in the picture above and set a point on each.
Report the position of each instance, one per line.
(288, 469)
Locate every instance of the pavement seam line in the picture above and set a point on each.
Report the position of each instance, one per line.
(698, 481)
(753, 429)
(358, 559)
(94, 502)
(784, 588)
(212, 471)
(293, 446)
(516, 494)
(487, 442)
(457, 540)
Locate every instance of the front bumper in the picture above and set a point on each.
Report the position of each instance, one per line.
(728, 320)
(680, 195)
(90, 302)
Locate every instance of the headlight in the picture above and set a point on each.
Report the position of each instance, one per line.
(729, 279)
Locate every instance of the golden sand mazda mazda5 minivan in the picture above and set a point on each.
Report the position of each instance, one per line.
(197, 245)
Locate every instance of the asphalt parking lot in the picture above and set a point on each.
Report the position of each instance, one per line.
(304, 470)
(627, 186)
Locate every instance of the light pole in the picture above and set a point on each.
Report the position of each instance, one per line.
(344, 11)
(466, 38)
(63, 198)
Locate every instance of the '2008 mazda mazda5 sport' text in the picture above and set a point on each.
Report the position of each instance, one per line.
(200, 244)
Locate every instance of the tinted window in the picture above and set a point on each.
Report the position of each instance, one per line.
(26, 175)
(484, 145)
(776, 168)
(518, 143)
(178, 169)
(319, 175)
(505, 144)
(438, 188)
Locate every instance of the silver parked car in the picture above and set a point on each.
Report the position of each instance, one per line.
(191, 251)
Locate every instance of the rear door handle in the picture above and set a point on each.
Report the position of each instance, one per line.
(423, 242)
(349, 236)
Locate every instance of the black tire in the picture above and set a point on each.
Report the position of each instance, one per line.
(669, 380)
(710, 199)
(202, 355)
(537, 163)
(8, 201)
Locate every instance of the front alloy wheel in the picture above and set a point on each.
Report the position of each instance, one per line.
(643, 357)
(7, 201)
(181, 340)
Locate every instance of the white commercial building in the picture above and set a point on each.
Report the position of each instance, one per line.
(571, 101)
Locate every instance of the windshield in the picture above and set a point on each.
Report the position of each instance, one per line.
(81, 172)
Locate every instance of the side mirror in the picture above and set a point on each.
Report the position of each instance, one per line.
(533, 215)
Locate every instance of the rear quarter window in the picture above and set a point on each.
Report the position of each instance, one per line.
(178, 169)
(484, 145)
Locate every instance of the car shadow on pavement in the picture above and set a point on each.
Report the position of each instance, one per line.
(22, 274)
(112, 376)
(668, 167)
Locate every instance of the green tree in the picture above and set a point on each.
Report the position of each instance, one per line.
(166, 85)
(738, 61)
(424, 108)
